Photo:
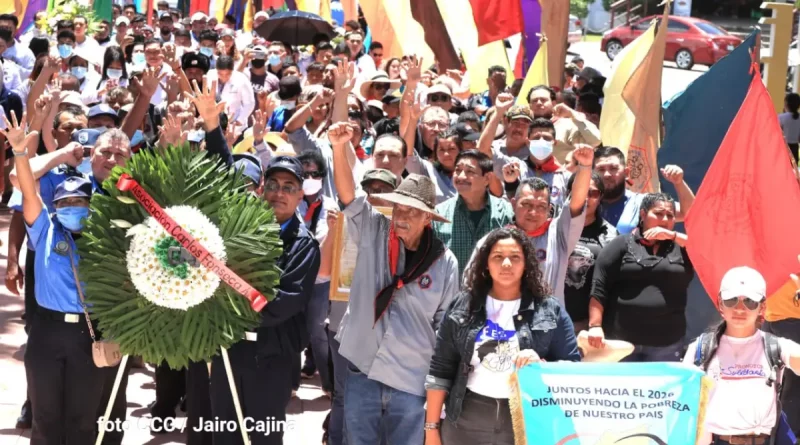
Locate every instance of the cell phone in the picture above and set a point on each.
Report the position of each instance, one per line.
(87, 151)
(259, 55)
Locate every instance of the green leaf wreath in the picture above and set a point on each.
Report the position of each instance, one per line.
(68, 10)
(184, 326)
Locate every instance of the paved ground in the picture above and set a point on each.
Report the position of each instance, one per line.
(307, 411)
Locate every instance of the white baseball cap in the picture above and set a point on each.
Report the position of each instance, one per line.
(743, 282)
(123, 20)
(199, 17)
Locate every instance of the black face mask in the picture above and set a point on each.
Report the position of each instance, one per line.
(258, 63)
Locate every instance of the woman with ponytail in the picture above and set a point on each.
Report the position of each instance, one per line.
(746, 365)
(639, 287)
(790, 122)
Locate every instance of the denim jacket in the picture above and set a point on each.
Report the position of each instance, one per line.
(544, 327)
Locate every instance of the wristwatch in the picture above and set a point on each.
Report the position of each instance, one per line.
(431, 426)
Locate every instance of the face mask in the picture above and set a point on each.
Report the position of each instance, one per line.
(71, 217)
(312, 186)
(258, 63)
(137, 138)
(541, 149)
(138, 59)
(78, 71)
(85, 166)
(206, 51)
(64, 51)
(114, 74)
(288, 104)
(274, 60)
(196, 135)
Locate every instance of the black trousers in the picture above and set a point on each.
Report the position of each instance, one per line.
(264, 385)
(119, 410)
(63, 383)
(170, 389)
(198, 403)
(30, 282)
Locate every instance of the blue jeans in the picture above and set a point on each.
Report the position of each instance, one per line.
(336, 428)
(374, 411)
(670, 353)
(316, 313)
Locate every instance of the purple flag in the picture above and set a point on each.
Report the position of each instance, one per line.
(34, 6)
(532, 18)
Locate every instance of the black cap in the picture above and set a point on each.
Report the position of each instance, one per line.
(73, 186)
(289, 87)
(390, 99)
(466, 133)
(285, 164)
(195, 60)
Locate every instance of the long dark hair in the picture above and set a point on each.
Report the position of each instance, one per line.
(793, 104)
(479, 282)
(113, 54)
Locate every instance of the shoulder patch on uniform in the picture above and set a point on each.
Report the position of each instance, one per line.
(425, 281)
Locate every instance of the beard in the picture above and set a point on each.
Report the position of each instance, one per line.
(612, 193)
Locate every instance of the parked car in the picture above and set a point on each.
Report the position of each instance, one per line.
(690, 40)
(575, 30)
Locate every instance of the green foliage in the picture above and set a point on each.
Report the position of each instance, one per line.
(177, 176)
(579, 8)
(68, 10)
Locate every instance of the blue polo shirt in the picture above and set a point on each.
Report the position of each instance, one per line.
(58, 292)
(624, 214)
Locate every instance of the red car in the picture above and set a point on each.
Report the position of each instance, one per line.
(689, 40)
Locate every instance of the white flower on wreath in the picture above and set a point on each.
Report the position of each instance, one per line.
(161, 286)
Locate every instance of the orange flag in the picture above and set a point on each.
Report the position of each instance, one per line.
(555, 25)
(350, 8)
(748, 205)
(642, 94)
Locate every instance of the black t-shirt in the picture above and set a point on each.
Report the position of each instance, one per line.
(580, 267)
(646, 291)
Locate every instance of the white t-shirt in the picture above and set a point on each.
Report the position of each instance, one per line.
(496, 349)
(790, 127)
(740, 402)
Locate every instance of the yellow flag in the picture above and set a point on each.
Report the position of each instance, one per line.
(391, 24)
(460, 24)
(311, 6)
(537, 73)
(249, 13)
(325, 9)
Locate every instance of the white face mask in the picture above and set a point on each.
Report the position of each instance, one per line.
(312, 186)
(288, 104)
(541, 149)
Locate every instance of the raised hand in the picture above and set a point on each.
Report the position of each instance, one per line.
(15, 132)
(563, 111)
(340, 133)
(73, 154)
(206, 104)
(151, 79)
(583, 154)
(345, 78)
(504, 102)
(332, 217)
(231, 133)
(170, 132)
(323, 97)
(171, 56)
(511, 172)
(673, 174)
(43, 104)
(414, 72)
(259, 125)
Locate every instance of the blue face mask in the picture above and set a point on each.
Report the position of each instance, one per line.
(85, 166)
(274, 59)
(137, 138)
(78, 71)
(113, 74)
(138, 58)
(64, 51)
(206, 51)
(72, 217)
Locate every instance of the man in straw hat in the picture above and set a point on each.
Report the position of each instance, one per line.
(404, 280)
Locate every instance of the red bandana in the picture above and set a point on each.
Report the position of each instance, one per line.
(541, 230)
(361, 154)
(551, 166)
(310, 212)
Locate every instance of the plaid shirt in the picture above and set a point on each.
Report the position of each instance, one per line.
(461, 234)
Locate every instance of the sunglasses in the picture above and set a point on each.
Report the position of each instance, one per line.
(273, 187)
(748, 303)
(438, 98)
(314, 174)
(354, 114)
(380, 86)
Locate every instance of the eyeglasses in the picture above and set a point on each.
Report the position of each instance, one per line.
(274, 187)
(436, 97)
(434, 125)
(315, 174)
(354, 114)
(380, 86)
(594, 194)
(377, 55)
(748, 303)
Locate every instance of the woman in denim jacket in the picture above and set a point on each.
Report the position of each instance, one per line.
(503, 320)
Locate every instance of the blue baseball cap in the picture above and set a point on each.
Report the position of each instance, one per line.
(102, 110)
(87, 137)
(73, 187)
(285, 164)
(249, 165)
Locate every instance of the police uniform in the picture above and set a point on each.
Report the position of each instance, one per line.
(65, 385)
(262, 362)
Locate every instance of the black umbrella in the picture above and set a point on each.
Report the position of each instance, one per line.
(294, 27)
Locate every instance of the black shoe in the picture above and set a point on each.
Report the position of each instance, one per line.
(25, 419)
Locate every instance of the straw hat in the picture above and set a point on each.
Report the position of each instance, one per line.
(614, 350)
(415, 191)
(380, 76)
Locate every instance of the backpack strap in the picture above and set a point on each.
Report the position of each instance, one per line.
(772, 349)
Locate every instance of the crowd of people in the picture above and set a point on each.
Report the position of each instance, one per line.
(512, 230)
